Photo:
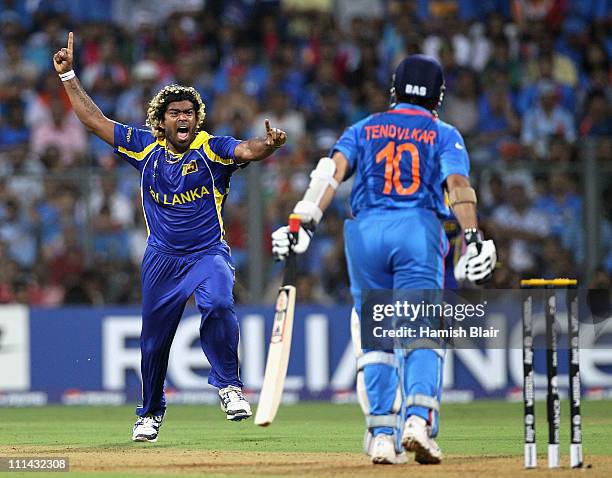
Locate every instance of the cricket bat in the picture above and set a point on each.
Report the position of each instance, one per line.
(280, 341)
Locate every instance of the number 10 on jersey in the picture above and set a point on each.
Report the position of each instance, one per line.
(391, 154)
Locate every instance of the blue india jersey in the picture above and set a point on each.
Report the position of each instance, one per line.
(401, 158)
(182, 195)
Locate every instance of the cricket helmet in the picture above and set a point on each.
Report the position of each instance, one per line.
(418, 79)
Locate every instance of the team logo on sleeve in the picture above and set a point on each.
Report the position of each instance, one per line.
(190, 167)
(128, 136)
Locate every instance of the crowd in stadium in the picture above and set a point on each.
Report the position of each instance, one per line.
(526, 82)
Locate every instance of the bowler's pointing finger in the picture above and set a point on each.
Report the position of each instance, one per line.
(267, 123)
(70, 42)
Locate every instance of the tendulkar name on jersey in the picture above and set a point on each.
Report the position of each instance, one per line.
(401, 158)
(182, 195)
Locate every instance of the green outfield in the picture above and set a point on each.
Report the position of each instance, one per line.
(311, 439)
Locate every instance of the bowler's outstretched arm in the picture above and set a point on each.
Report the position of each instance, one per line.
(86, 110)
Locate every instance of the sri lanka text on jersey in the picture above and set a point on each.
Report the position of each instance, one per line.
(180, 198)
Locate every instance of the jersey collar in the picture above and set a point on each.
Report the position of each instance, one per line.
(197, 142)
(410, 109)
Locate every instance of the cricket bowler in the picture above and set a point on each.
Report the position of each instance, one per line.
(184, 180)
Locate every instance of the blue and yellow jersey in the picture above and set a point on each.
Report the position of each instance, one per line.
(401, 159)
(182, 196)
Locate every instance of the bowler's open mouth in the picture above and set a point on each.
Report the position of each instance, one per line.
(182, 133)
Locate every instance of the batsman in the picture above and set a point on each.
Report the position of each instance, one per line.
(404, 162)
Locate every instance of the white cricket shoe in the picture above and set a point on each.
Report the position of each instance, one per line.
(416, 438)
(234, 404)
(147, 428)
(382, 451)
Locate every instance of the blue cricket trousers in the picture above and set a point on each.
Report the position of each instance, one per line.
(167, 283)
(401, 250)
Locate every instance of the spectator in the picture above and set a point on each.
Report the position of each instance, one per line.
(9, 273)
(491, 195)
(238, 126)
(541, 78)
(63, 131)
(109, 237)
(326, 126)
(17, 233)
(286, 74)
(497, 121)
(560, 204)
(234, 100)
(461, 106)
(502, 61)
(42, 292)
(549, 11)
(561, 152)
(120, 206)
(25, 172)
(85, 289)
(137, 234)
(68, 261)
(323, 84)
(564, 70)
(396, 31)
(13, 130)
(16, 69)
(524, 225)
(105, 77)
(279, 111)
(55, 212)
(547, 119)
(38, 105)
(244, 64)
(309, 290)
(108, 67)
(39, 42)
(556, 261)
(597, 120)
(131, 104)
(192, 69)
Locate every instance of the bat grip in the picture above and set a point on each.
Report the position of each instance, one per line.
(294, 228)
(290, 275)
(290, 264)
(294, 223)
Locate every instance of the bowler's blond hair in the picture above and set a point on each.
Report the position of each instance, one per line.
(169, 94)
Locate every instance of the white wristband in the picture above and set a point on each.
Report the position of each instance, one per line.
(69, 75)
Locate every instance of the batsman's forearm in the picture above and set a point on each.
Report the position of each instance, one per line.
(327, 198)
(88, 112)
(466, 215)
(254, 149)
(464, 208)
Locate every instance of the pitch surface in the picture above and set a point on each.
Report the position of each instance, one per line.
(313, 439)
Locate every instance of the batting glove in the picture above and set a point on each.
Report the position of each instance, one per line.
(478, 261)
(281, 242)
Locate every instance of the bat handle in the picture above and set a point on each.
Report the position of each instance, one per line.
(290, 264)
